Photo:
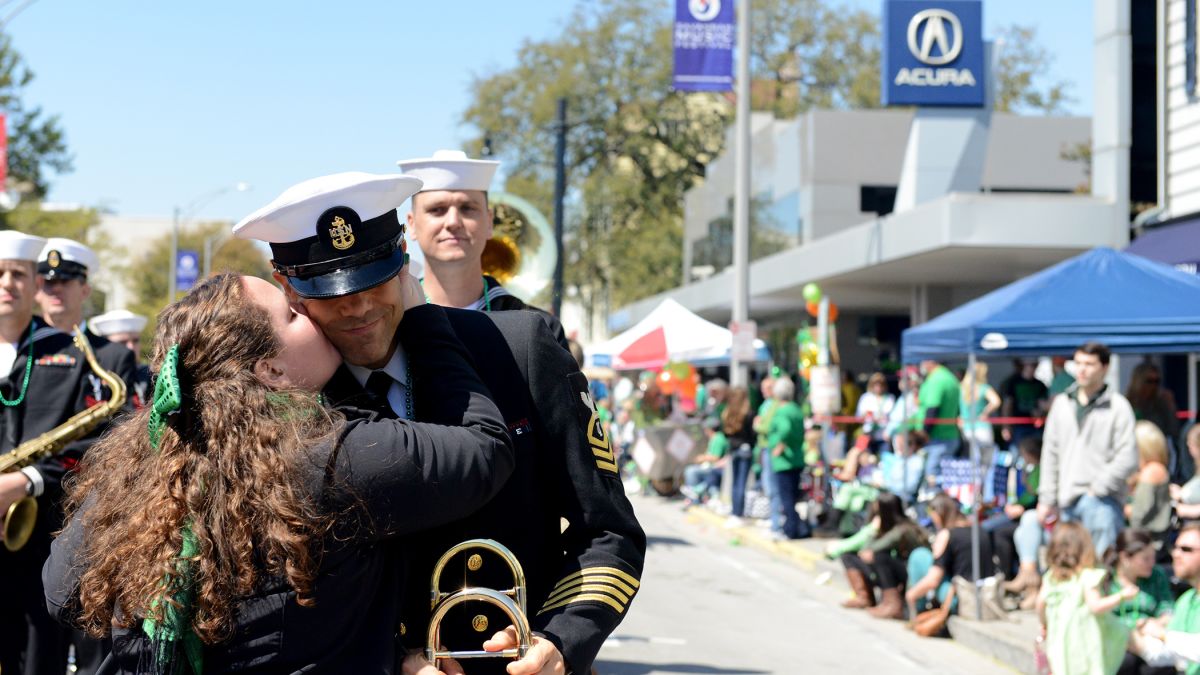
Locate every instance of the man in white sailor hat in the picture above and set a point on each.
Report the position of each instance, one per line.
(338, 249)
(123, 327)
(451, 222)
(65, 266)
(44, 380)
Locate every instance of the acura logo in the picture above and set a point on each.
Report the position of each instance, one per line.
(935, 36)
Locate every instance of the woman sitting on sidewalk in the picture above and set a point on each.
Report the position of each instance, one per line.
(1130, 564)
(1150, 490)
(882, 561)
(951, 554)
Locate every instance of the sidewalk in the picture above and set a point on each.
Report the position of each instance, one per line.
(1008, 642)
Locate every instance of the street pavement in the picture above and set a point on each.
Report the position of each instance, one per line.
(709, 605)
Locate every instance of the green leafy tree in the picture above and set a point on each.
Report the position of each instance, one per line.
(1021, 75)
(635, 146)
(150, 290)
(36, 142)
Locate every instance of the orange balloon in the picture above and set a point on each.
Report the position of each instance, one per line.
(814, 309)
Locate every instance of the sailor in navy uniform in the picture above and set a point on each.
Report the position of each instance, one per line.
(45, 380)
(451, 222)
(66, 267)
(123, 327)
(337, 247)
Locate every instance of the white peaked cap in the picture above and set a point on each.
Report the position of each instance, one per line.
(20, 246)
(117, 321)
(71, 251)
(293, 215)
(451, 170)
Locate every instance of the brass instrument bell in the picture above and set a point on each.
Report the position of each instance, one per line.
(511, 601)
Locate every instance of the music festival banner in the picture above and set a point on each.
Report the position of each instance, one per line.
(705, 37)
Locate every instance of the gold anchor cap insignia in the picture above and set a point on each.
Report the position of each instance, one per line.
(53, 259)
(341, 235)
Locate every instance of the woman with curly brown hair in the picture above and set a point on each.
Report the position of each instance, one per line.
(250, 528)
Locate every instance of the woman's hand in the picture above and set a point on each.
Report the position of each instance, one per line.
(1129, 592)
(867, 555)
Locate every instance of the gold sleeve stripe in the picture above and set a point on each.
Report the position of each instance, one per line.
(602, 453)
(594, 579)
(620, 574)
(586, 597)
(590, 586)
(607, 466)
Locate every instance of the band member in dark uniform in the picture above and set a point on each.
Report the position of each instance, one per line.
(451, 222)
(337, 245)
(46, 380)
(65, 266)
(274, 516)
(123, 327)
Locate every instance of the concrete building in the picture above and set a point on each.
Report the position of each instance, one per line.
(823, 211)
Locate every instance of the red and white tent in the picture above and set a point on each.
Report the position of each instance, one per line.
(670, 332)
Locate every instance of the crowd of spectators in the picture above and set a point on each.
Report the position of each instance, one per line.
(1083, 496)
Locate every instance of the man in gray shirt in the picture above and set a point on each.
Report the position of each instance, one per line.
(1088, 451)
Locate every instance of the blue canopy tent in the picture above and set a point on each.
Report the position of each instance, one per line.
(1131, 304)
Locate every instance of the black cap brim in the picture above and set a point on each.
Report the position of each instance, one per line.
(62, 275)
(351, 280)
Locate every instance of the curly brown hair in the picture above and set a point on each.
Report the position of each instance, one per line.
(231, 464)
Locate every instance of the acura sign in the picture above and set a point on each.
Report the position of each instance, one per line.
(933, 53)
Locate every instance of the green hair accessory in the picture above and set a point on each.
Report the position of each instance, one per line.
(168, 396)
(173, 629)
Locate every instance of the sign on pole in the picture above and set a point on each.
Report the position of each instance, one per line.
(933, 53)
(825, 394)
(704, 42)
(187, 269)
(744, 334)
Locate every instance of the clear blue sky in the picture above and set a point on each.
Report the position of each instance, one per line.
(165, 101)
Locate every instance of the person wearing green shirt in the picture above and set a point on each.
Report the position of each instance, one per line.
(702, 477)
(762, 464)
(1131, 565)
(1176, 642)
(785, 442)
(938, 399)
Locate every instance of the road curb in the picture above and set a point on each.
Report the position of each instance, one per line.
(989, 639)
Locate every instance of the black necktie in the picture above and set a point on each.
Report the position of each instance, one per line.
(378, 386)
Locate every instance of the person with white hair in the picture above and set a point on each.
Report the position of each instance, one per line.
(785, 443)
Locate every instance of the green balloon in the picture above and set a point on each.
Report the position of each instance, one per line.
(811, 292)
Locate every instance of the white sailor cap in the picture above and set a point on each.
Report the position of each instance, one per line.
(20, 246)
(117, 321)
(451, 170)
(335, 235)
(66, 259)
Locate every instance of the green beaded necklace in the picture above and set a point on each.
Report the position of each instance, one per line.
(28, 371)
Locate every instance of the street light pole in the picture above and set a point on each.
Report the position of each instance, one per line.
(174, 255)
(177, 222)
(739, 372)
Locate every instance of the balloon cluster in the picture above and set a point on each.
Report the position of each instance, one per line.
(808, 350)
(679, 378)
(812, 298)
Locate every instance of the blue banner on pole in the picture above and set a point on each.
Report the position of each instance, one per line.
(187, 269)
(705, 38)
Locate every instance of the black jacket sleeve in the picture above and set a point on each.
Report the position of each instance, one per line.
(115, 359)
(411, 476)
(604, 544)
(61, 572)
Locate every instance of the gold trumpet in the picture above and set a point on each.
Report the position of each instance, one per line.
(511, 601)
(22, 514)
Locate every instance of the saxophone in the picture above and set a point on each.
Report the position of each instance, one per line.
(22, 514)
